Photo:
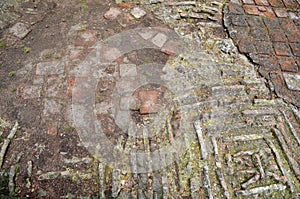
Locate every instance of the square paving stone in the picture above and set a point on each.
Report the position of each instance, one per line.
(287, 64)
(282, 49)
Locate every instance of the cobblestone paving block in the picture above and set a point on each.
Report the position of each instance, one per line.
(20, 30)
(292, 81)
(50, 68)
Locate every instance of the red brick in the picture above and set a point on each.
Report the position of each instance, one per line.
(282, 49)
(276, 3)
(149, 101)
(277, 35)
(280, 12)
(287, 64)
(251, 9)
(291, 4)
(262, 2)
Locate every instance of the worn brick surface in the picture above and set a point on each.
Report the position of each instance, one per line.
(282, 49)
(288, 64)
(270, 37)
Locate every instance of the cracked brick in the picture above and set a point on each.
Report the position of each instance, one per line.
(287, 64)
(281, 49)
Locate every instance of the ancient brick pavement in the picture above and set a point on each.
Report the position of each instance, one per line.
(269, 33)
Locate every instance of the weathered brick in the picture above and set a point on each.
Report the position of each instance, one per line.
(277, 35)
(287, 64)
(293, 36)
(263, 47)
(272, 23)
(262, 8)
(267, 63)
(239, 20)
(246, 46)
(269, 12)
(280, 12)
(259, 34)
(296, 49)
(291, 4)
(288, 25)
(251, 10)
(235, 8)
(149, 101)
(255, 21)
(238, 33)
(276, 3)
(281, 49)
